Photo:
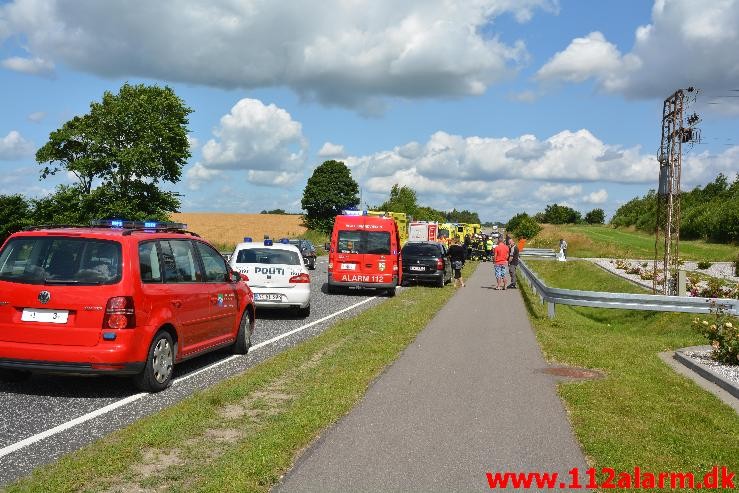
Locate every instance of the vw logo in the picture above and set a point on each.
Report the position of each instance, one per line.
(44, 297)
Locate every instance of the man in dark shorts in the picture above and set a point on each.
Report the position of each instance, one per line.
(457, 255)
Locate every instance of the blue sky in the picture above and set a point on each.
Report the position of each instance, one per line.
(495, 106)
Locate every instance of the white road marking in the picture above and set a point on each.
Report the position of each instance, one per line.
(132, 398)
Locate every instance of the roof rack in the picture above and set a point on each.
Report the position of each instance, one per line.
(53, 226)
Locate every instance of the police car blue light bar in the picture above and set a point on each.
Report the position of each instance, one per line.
(247, 239)
(285, 241)
(268, 242)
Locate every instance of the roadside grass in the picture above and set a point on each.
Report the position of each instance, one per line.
(245, 432)
(604, 241)
(643, 413)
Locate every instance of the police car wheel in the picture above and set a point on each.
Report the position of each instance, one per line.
(304, 312)
(243, 338)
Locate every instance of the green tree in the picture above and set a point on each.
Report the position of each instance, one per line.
(127, 145)
(596, 216)
(14, 215)
(559, 214)
(424, 213)
(523, 225)
(329, 190)
(402, 199)
(463, 216)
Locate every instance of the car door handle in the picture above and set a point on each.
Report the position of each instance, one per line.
(176, 303)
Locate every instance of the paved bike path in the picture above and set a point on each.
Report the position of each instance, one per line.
(463, 399)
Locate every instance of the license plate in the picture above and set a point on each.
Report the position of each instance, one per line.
(418, 267)
(44, 315)
(348, 266)
(267, 297)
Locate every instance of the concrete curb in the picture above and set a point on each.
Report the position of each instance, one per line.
(706, 372)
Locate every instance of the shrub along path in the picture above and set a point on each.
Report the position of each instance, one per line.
(464, 399)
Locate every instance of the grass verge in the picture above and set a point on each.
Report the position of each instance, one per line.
(243, 433)
(604, 241)
(643, 414)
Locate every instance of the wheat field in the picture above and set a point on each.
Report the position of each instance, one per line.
(225, 230)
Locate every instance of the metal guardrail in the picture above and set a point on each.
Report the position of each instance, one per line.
(624, 301)
(537, 252)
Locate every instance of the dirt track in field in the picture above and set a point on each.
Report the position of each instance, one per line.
(228, 229)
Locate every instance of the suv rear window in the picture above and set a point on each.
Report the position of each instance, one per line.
(267, 256)
(377, 243)
(60, 260)
(422, 250)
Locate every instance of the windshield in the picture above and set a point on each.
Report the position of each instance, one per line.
(421, 250)
(267, 256)
(60, 260)
(377, 243)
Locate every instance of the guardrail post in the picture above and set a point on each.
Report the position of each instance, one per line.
(550, 309)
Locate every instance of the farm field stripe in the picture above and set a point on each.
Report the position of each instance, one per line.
(115, 405)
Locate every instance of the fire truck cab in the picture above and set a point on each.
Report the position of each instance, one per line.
(364, 253)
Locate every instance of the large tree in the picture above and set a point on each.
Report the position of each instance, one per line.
(14, 214)
(120, 152)
(329, 190)
(596, 216)
(402, 199)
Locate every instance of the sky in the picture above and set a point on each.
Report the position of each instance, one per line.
(495, 106)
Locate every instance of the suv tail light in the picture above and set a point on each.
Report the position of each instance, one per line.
(302, 278)
(119, 314)
(439, 264)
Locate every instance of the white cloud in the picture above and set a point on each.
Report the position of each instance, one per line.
(37, 116)
(557, 191)
(14, 146)
(261, 139)
(32, 66)
(683, 34)
(501, 176)
(524, 96)
(193, 142)
(331, 150)
(597, 197)
(340, 52)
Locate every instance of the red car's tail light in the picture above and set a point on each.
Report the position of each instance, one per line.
(302, 278)
(119, 313)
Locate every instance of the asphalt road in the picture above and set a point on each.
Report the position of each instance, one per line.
(467, 397)
(48, 416)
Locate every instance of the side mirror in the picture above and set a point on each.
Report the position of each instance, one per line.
(235, 276)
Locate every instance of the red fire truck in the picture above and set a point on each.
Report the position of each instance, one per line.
(364, 253)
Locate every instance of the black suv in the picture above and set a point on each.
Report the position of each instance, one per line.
(426, 261)
(307, 250)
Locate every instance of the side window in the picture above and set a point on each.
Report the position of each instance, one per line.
(149, 262)
(184, 260)
(215, 265)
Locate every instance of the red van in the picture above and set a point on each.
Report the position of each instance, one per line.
(123, 297)
(364, 253)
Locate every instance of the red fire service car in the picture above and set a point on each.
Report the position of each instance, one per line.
(364, 253)
(117, 297)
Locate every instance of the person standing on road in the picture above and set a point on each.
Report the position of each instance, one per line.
(512, 261)
(501, 263)
(467, 247)
(563, 247)
(489, 247)
(456, 256)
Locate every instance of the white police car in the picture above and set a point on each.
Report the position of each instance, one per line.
(275, 272)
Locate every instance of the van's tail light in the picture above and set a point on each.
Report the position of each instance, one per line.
(302, 278)
(439, 264)
(119, 314)
(395, 267)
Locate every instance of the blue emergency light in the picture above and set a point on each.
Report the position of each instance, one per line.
(247, 239)
(124, 223)
(268, 242)
(285, 241)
